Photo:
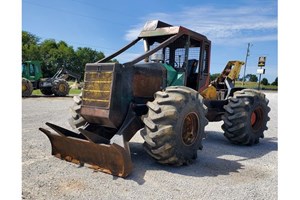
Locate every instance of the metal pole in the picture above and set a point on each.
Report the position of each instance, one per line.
(247, 54)
(259, 82)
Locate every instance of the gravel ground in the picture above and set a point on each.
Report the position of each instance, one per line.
(222, 170)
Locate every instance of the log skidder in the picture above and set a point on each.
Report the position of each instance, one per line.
(57, 84)
(246, 117)
(166, 95)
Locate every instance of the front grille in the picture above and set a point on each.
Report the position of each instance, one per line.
(97, 89)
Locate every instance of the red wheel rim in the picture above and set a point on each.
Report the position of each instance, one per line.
(253, 118)
(256, 118)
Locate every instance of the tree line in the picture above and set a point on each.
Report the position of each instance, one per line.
(53, 54)
(250, 78)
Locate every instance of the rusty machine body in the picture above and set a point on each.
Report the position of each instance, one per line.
(165, 95)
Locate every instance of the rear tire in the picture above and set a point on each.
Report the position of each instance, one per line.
(27, 87)
(60, 87)
(246, 117)
(174, 126)
(46, 91)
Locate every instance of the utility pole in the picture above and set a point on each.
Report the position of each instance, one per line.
(247, 54)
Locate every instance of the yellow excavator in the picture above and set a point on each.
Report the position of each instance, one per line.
(224, 82)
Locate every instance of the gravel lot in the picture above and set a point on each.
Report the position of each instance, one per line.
(222, 170)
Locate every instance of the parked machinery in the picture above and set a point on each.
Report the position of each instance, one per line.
(32, 79)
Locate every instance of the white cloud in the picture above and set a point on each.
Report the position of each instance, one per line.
(221, 25)
(133, 32)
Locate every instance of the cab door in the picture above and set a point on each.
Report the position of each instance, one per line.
(204, 75)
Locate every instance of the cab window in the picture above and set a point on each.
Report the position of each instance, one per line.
(31, 70)
(23, 68)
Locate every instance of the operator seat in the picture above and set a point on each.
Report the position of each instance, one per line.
(192, 73)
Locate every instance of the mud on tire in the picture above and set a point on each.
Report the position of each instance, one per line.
(27, 87)
(246, 117)
(174, 125)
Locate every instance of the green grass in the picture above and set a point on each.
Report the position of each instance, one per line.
(72, 92)
(254, 85)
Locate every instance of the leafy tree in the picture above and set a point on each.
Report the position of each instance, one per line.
(114, 60)
(214, 76)
(275, 82)
(251, 77)
(54, 55)
(47, 49)
(30, 47)
(85, 55)
(264, 81)
(65, 55)
(28, 38)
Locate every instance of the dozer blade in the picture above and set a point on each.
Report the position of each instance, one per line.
(112, 158)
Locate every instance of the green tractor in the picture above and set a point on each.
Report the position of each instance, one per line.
(32, 79)
(165, 95)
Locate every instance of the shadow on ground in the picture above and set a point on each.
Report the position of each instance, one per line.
(208, 163)
(47, 96)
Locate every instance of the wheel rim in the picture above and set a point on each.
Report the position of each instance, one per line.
(190, 129)
(61, 87)
(256, 118)
(24, 87)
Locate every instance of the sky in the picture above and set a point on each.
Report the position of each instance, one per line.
(109, 25)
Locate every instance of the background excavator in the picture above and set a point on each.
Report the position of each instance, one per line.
(166, 95)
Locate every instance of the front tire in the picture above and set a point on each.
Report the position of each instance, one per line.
(27, 87)
(174, 126)
(60, 87)
(246, 117)
(76, 120)
(46, 91)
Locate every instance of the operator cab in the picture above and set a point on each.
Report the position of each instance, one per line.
(187, 55)
(183, 53)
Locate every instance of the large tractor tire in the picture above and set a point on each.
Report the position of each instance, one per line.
(174, 126)
(60, 87)
(76, 120)
(246, 117)
(46, 91)
(27, 87)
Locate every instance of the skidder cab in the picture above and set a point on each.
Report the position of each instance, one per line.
(157, 94)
